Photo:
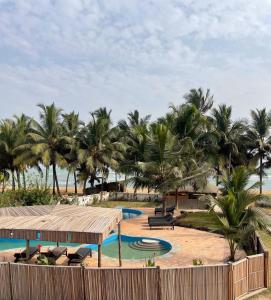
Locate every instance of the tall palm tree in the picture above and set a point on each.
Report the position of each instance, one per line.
(236, 216)
(202, 101)
(10, 140)
(71, 127)
(47, 140)
(259, 134)
(133, 134)
(97, 150)
(23, 125)
(168, 163)
(229, 136)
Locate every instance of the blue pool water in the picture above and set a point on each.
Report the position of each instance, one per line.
(133, 247)
(130, 213)
(7, 243)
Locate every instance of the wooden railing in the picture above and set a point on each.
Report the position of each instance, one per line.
(210, 282)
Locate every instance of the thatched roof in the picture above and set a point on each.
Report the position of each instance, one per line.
(59, 223)
(208, 189)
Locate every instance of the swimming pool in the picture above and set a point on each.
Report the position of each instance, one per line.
(130, 213)
(134, 247)
(8, 243)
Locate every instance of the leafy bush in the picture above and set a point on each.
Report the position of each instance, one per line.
(23, 197)
(197, 262)
(44, 260)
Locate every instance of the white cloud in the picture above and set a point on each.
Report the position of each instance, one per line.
(132, 54)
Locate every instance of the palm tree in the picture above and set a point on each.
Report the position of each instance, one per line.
(258, 135)
(47, 140)
(229, 137)
(71, 126)
(236, 217)
(10, 140)
(133, 134)
(97, 150)
(4, 177)
(168, 163)
(23, 125)
(196, 97)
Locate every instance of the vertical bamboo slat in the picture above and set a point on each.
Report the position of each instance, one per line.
(5, 284)
(255, 272)
(30, 282)
(197, 283)
(121, 284)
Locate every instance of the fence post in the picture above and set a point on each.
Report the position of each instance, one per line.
(83, 279)
(159, 289)
(231, 282)
(266, 269)
(10, 283)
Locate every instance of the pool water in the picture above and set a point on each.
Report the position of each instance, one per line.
(8, 243)
(133, 247)
(129, 213)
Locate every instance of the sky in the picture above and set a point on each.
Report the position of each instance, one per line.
(133, 54)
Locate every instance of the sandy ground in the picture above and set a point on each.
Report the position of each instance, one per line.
(187, 244)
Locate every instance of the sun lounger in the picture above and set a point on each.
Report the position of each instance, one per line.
(79, 256)
(169, 210)
(22, 255)
(166, 221)
(56, 253)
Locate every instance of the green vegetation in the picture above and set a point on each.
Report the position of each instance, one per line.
(237, 219)
(33, 196)
(198, 220)
(187, 145)
(266, 295)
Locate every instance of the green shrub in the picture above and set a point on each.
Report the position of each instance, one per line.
(197, 262)
(44, 260)
(23, 197)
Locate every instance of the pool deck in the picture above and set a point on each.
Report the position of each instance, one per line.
(187, 244)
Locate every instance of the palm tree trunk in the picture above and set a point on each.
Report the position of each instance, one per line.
(13, 180)
(24, 181)
(67, 181)
(3, 185)
(84, 186)
(176, 199)
(217, 175)
(75, 182)
(261, 174)
(46, 176)
(229, 163)
(164, 204)
(232, 250)
(116, 185)
(102, 189)
(18, 178)
(55, 179)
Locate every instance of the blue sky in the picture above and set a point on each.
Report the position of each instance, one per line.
(128, 54)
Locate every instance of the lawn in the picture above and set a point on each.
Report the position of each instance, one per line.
(198, 220)
(131, 204)
(263, 296)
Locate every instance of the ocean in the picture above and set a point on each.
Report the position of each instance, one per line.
(62, 176)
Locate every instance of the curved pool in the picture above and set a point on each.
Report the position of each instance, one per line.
(10, 243)
(134, 247)
(130, 213)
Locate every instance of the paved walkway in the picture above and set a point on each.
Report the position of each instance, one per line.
(187, 244)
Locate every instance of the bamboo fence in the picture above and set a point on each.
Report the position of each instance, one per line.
(213, 282)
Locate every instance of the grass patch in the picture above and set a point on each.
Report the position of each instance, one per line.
(131, 204)
(263, 296)
(198, 220)
(266, 238)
